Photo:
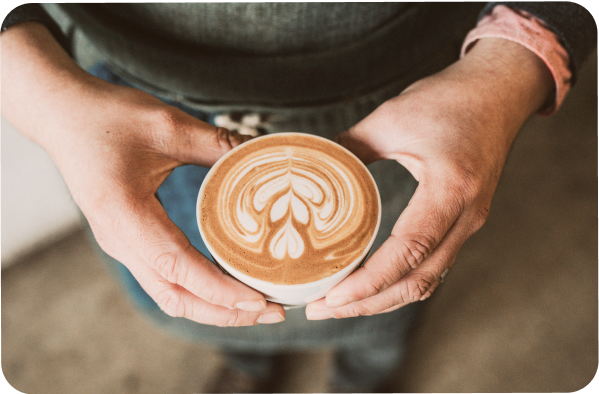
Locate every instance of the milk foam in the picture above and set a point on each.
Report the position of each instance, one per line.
(284, 212)
(298, 188)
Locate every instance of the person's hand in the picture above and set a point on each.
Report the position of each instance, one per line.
(113, 156)
(114, 147)
(452, 131)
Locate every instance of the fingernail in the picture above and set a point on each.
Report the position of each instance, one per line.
(337, 301)
(319, 315)
(251, 305)
(270, 318)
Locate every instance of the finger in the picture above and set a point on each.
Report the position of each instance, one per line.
(176, 301)
(420, 228)
(192, 141)
(416, 285)
(145, 228)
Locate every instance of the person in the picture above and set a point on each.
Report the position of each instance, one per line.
(133, 136)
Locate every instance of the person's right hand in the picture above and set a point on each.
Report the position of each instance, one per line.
(114, 147)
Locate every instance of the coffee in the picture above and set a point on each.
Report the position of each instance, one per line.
(289, 208)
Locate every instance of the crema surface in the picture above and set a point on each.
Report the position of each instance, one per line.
(289, 209)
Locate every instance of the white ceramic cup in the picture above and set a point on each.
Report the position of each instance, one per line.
(288, 295)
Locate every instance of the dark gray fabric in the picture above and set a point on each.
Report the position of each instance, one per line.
(405, 46)
(571, 22)
(365, 370)
(305, 30)
(258, 28)
(361, 369)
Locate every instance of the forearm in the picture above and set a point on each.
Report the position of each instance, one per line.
(39, 80)
(512, 81)
(495, 87)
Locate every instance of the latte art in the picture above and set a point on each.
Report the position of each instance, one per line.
(278, 189)
(289, 213)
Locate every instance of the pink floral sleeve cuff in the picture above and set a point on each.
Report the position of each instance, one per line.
(524, 29)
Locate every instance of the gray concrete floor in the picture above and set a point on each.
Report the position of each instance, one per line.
(517, 313)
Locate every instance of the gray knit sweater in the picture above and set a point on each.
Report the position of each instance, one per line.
(291, 54)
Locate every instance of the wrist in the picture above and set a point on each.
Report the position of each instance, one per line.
(512, 78)
(484, 98)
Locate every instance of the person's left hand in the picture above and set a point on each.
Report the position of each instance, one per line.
(452, 131)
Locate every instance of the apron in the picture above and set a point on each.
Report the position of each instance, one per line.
(178, 195)
(325, 118)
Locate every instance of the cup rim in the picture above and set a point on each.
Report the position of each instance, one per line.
(246, 278)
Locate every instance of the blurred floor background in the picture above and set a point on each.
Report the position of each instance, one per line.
(517, 313)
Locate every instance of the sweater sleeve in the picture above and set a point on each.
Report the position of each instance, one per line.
(572, 23)
(33, 12)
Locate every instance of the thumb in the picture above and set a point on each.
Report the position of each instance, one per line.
(191, 141)
(420, 228)
(151, 235)
(359, 143)
(364, 139)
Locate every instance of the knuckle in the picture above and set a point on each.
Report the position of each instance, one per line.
(481, 214)
(236, 318)
(167, 119)
(225, 139)
(166, 127)
(206, 291)
(415, 288)
(355, 309)
(415, 249)
(169, 266)
(383, 280)
(465, 181)
(171, 303)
